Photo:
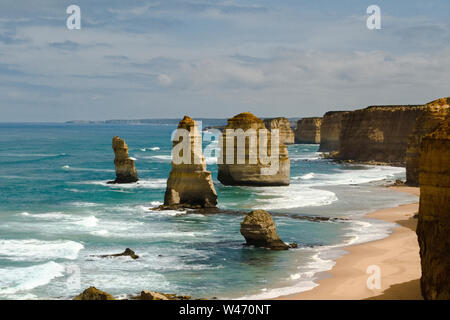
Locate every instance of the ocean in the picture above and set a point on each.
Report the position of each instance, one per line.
(57, 214)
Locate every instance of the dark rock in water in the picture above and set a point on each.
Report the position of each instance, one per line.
(93, 293)
(127, 252)
(125, 169)
(293, 245)
(259, 230)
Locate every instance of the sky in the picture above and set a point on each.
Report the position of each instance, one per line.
(164, 59)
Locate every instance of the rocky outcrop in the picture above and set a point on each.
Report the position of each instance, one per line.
(252, 170)
(125, 169)
(283, 125)
(308, 130)
(189, 183)
(259, 230)
(377, 134)
(435, 112)
(330, 131)
(127, 252)
(433, 227)
(93, 293)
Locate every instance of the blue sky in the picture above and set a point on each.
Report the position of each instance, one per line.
(153, 59)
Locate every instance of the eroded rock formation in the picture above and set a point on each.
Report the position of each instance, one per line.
(189, 183)
(308, 130)
(92, 293)
(433, 227)
(283, 125)
(127, 252)
(125, 169)
(259, 230)
(435, 112)
(377, 134)
(330, 131)
(254, 170)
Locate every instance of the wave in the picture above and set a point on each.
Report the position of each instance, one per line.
(14, 280)
(151, 149)
(163, 158)
(67, 168)
(144, 184)
(38, 250)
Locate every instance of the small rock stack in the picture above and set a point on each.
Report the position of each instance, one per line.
(125, 169)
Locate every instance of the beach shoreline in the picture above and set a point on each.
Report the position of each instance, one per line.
(397, 257)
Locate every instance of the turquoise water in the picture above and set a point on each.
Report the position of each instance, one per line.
(57, 213)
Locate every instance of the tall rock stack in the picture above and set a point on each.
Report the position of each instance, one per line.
(125, 169)
(330, 131)
(233, 173)
(433, 227)
(190, 184)
(308, 130)
(434, 113)
(283, 125)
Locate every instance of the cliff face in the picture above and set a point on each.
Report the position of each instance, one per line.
(435, 112)
(254, 170)
(433, 227)
(308, 130)
(284, 126)
(189, 184)
(125, 169)
(330, 130)
(377, 134)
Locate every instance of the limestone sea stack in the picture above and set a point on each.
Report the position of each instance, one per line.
(330, 131)
(433, 227)
(189, 183)
(434, 113)
(259, 230)
(377, 134)
(284, 126)
(125, 169)
(308, 130)
(254, 170)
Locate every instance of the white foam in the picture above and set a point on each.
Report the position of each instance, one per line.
(143, 183)
(90, 221)
(14, 280)
(131, 158)
(38, 250)
(154, 148)
(156, 203)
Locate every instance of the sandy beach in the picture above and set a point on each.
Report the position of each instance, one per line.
(397, 256)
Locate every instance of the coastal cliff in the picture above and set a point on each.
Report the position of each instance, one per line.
(435, 112)
(330, 131)
(377, 134)
(254, 170)
(308, 130)
(189, 183)
(433, 227)
(283, 125)
(125, 169)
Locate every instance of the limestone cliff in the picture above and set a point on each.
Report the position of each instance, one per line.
(433, 227)
(254, 170)
(125, 169)
(189, 183)
(330, 131)
(259, 230)
(435, 112)
(283, 125)
(377, 134)
(308, 130)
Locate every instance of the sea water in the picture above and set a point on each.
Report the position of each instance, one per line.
(58, 214)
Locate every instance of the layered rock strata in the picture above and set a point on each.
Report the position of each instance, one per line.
(189, 183)
(435, 112)
(125, 169)
(251, 154)
(283, 125)
(93, 293)
(259, 230)
(330, 131)
(433, 227)
(308, 130)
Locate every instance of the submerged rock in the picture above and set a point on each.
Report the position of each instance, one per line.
(284, 126)
(189, 184)
(125, 169)
(308, 130)
(127, 252)
(259, 230)
(433, 227)
(254, 170)
(93, 293)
